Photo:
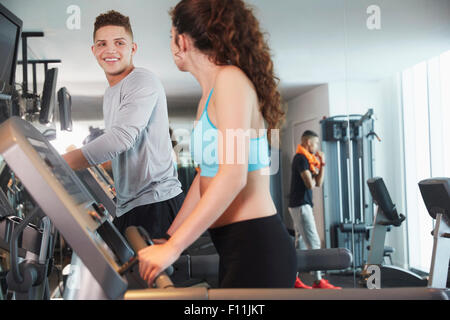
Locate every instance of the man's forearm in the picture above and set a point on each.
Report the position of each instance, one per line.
(107, 165)
(319, 178)
(76, 159)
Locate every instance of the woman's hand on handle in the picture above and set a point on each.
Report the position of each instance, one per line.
(159, 241)
(155, 259)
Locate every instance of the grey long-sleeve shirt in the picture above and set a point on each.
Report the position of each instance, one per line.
(137, 142)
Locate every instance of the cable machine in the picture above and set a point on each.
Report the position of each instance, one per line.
(348, 207)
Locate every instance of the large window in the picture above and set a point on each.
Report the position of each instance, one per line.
(426, 116)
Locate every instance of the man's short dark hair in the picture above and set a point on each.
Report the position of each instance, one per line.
(310, 134)
(113, 18)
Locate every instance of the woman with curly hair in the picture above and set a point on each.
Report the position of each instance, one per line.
(220, 43)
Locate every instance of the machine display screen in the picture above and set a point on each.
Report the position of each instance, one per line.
(64, 176)
(8, 34)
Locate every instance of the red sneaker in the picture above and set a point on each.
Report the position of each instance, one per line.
(324, 284)
(300, 285)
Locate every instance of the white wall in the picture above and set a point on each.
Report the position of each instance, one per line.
(352, 97)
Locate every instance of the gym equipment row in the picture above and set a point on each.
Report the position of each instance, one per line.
(104, 259)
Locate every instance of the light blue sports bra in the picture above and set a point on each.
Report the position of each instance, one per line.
(204, 147)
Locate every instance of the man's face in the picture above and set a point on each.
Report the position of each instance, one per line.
(313, 145)
(114, 49)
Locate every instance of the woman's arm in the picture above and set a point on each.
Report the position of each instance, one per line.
(233, 100)
(189, 203)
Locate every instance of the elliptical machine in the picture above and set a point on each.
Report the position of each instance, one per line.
(386, 217)
(27, 243)
(436, 195)
(31, 255)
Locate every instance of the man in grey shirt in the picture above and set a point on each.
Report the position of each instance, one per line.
(136, 137)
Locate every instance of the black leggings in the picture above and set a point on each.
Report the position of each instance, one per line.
(257, 253)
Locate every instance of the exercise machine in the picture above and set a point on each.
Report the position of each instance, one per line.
(436, 195)
(30, 247)
(386, 217)
(33, 241)
(28, 276)
(60, 194)
(30, 105)
(27, 245)
(100, 185)
(347, 142)
(11, 27)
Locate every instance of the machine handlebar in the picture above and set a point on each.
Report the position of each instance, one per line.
(139, 239)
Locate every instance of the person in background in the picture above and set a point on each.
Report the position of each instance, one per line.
(307, 173)
(174, 151)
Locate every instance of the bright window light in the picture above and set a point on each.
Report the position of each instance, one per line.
(80, 130)
(426, 115)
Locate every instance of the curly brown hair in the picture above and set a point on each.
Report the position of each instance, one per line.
(229, 33)
(113, 18)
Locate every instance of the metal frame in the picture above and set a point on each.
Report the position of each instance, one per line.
(346, 196)
(285, 294)
(441, 253)
(15, 20)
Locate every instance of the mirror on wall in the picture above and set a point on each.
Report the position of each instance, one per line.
(380, 111)
(397, 58)
(319, 106)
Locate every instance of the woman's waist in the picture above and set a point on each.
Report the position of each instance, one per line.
(236, 214)
(233, 225)
(210, 170)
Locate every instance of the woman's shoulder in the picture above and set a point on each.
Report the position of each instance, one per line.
(233, 77)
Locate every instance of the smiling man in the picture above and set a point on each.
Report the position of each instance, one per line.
(136, 137)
